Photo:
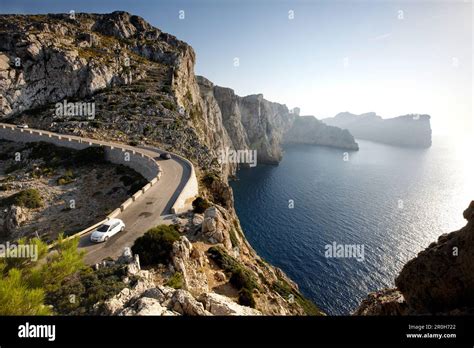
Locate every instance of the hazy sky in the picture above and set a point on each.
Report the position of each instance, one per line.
(391, 57)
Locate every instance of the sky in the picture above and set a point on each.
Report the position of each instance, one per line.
(389, 57)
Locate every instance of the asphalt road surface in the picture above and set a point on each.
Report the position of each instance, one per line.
(150, 209)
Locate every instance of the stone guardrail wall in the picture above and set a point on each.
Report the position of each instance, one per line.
(115, 153)
(189, 191)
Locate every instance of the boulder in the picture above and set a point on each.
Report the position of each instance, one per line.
(184, 303)
(221, 305)
(216, 228)
(13, 218)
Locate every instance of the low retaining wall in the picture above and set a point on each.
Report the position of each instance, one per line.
(115, 153)
(190, 190)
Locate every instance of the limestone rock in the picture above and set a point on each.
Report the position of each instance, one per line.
(407, 130)
(216, 228)
(220, 276)
(441, 277)
(384, 302)
(184, 303)
(12, 219)
(221, 305)
(188, 260)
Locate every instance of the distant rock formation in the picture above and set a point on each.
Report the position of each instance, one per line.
(253, 122)
(440, 280)
(309, 130)
(407, 130)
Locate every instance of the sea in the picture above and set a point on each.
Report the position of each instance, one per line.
(343, 224)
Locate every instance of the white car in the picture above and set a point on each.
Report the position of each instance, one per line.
(22, 126)
(107, 230)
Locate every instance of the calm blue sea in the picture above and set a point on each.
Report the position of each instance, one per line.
(394, 201)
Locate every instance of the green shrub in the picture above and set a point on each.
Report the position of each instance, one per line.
(42, 172)
(240, 276)
(66, 178)
(87, 287)
(29, 198)
(175, 281)
(285, 290)
(169, 105)
(156, 244)
(48, 151)
(246, 298)
(16, 298)
(209, 179)
(200, 205)
(233, 238)
(26, 282)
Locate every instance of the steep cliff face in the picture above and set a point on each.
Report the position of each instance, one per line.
(440, 280)
(253, 122)
(309, 130)
(408, 130)
(46, 58)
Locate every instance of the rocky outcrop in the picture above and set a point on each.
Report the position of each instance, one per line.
(11, 218)
(309, 130)
(188, 260)
(439, 280)
(408, 130)
(383, 302)
(221, 305)
(147, 298)
(252, 122)
(441, 277)
(215, 227)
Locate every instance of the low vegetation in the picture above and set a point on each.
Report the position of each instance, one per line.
(156, 245)
(200, 205)
(26, 282)
(66, 178)
(240, 276)
(290, 294)
(80, 292)
(29, 198)
(175, 281)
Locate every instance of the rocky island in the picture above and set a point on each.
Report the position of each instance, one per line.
(408, 130)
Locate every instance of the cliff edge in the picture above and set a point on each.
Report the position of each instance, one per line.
(439, 280)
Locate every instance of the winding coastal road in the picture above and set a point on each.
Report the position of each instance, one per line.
(150, 209)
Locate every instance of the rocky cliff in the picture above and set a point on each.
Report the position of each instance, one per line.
(440, 280)
(253, 122)
(143, 86)
(408, 130)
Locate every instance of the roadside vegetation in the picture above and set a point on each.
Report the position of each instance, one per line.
(156, 245)
(58, 282)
